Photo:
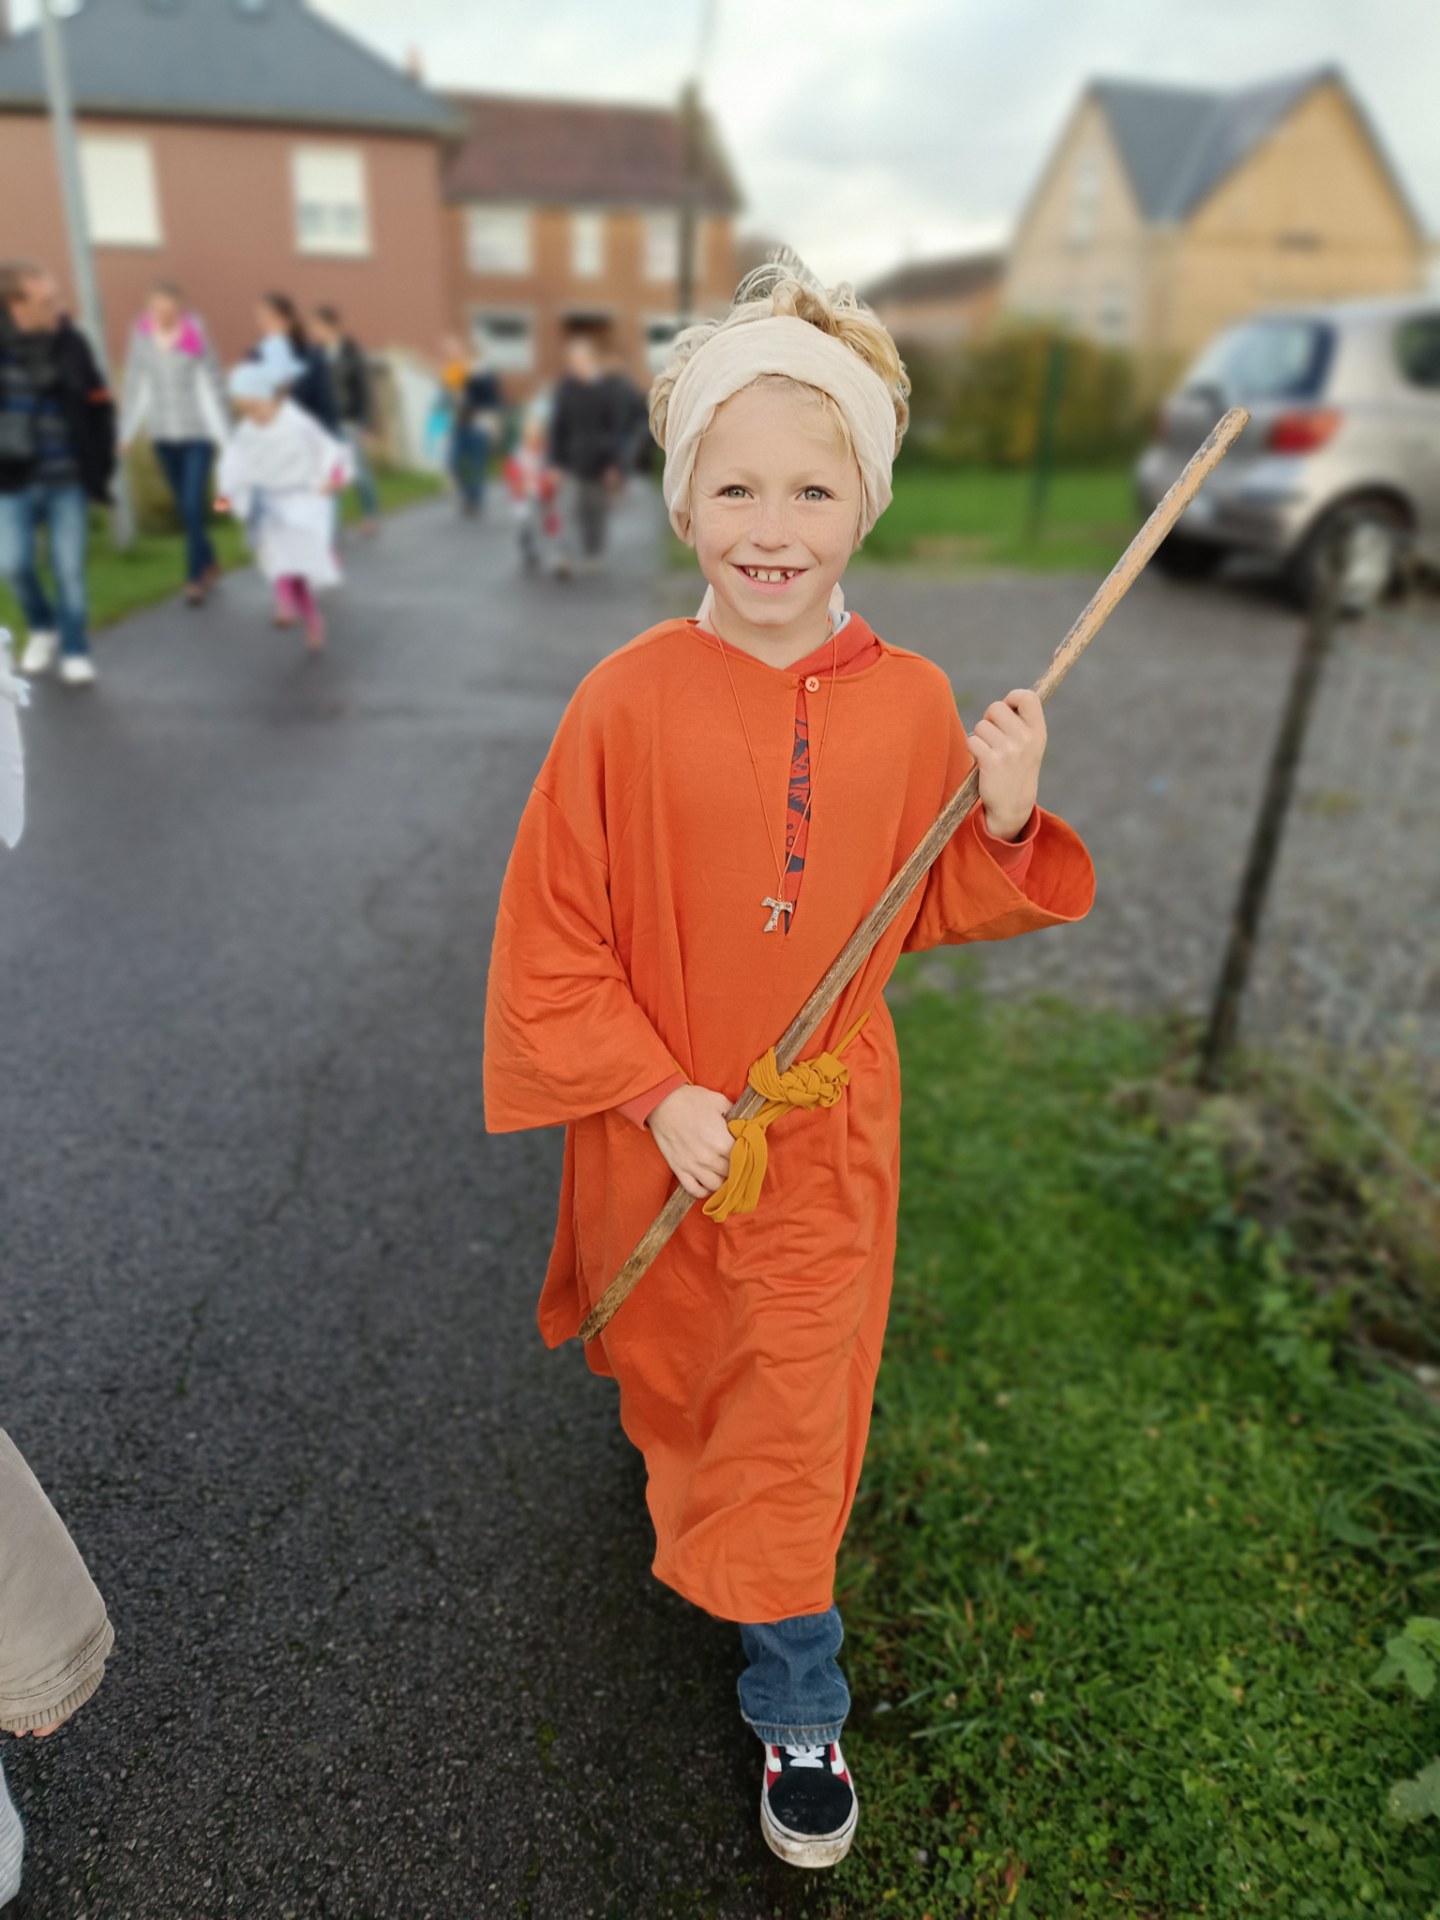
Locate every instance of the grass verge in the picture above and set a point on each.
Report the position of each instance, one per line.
(977, 518)
(152, 569)
(1130, 1540)
(971, 517)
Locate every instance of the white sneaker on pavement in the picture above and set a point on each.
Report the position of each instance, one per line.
(38, 655)
(12, 1846)
(77, 669)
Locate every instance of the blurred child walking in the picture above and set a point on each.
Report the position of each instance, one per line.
(279, 474)
(725, 799)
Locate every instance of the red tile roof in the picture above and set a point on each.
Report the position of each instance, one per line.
(567, 152)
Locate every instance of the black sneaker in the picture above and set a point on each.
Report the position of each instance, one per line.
(808, 1810)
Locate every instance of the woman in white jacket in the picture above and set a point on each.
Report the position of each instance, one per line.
(279, 474)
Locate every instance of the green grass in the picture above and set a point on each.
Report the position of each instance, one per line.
(972, 517)
(153, 568)
(1129, 1540)
(975, 518)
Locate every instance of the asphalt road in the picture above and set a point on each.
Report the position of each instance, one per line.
(388, 1644)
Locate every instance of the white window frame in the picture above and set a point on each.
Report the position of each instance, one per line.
(122, 202)
(587, 244)
(662, 248)
(1113, 316)
(509, 253)
(1084, 197)
(499, 357)
(331, 192)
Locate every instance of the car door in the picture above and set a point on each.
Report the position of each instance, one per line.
(1417, 361)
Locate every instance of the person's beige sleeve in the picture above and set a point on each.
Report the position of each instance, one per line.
(54, 1632)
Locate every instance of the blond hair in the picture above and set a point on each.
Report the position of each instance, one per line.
(784, 287)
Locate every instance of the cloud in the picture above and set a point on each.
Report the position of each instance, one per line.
(864, 132)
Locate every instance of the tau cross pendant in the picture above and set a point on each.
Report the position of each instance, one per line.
(777, 907)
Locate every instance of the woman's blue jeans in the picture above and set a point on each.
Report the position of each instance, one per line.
(186, 466)
(469, 458)
(792, 1692)
(64, 513)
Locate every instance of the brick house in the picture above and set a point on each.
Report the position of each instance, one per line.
(933, 305)
(235, 146)
(1165, 213)
(564, 215)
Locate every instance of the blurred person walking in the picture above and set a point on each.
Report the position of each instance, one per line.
(279, 474)
(173, 391)
(354, 404)
(57, 453)
(310, 388)
(632, 413)
(476, 404)
(586, 446)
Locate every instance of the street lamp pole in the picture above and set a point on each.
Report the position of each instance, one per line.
(690, 159)
(82, 264)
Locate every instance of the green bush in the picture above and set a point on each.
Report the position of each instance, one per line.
(983, 405)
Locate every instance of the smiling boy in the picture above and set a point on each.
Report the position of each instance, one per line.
(724, 800)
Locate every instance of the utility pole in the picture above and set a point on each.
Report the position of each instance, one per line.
(690, 162)
(82, 264)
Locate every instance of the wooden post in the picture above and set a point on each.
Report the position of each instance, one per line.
(853, 955)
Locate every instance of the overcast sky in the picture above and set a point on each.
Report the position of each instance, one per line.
(869, 131)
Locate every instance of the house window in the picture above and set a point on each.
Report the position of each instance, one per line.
(662, 246)
(120, 197)
(1417, 347)
(587, 245)
(1084, 197)
(1112, 319)
(508, 339)
(660, 332)
(497, 239)
(330, 206)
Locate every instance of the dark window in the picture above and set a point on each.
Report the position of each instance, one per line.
(1267, 360)
(1417, 349)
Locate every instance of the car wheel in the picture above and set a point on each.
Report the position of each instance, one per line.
(1358, 545)
(1185, 559)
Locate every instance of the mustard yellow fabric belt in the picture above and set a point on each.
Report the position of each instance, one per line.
(808, 1084)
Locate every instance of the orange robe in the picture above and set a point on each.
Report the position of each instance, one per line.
(629, 947)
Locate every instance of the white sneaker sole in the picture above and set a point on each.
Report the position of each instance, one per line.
(808, 1849)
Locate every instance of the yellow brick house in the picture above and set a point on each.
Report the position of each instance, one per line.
(1165, 213)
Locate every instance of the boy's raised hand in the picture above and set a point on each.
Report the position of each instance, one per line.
(689, 1128)
(1008, 745)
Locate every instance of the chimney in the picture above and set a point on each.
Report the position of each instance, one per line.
(414, 65)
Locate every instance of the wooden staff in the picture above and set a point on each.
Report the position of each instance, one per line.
(857, 948)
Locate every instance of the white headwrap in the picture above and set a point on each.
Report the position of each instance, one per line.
(735, 355)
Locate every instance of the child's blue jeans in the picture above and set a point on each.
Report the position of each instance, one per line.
(792, 1692)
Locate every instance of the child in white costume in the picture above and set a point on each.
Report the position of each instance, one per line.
(280, 473)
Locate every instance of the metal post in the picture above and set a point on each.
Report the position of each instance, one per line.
(72, 188)
(1315, 639)
(689, 200)
(1045, 438)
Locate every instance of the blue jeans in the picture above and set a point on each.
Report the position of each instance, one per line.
(364, 477)
(186, 466)
(469, 457)
(63, 512)
(792, 1692)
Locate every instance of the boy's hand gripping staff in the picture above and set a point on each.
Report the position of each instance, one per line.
(852, 956)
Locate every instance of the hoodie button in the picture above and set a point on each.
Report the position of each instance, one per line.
(812, 685)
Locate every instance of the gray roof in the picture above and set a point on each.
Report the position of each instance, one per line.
(947, 279)
(258, 60)
(1179, 143)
